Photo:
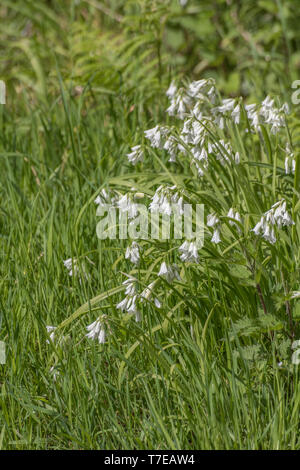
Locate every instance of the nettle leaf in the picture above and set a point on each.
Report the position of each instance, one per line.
(270, 323)
(296, 311)
(252, 352)
(285, 348)
(244, 327)
(254, 326)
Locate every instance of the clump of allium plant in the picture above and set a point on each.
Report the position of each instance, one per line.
(239, 160)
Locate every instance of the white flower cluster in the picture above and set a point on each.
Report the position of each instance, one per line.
(127, 204)
(96, 330)
(106, 197)
(160, 137)
(201, 137)
(187, 101)
(195, 104)
(129, 303)
(124, 202)
(195, 135)
(133, 253)
(181, 102)
(133, 299)
(267, 113)
(276, 216)
(157, 136)
(167, 199)
(228, 107)
(189, 252)
(136, 154)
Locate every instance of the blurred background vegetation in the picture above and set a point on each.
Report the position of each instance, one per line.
(128, 48)
(75, 67)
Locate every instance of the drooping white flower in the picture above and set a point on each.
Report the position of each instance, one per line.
(136, 154)
(228, 104)
(133, 253)
(189, 252)
(266, 113)
(238, 217)
(295, 295)
(171, 91)
(230, 108)
(51, 330)
(126, 204)
(169, 272)
(180, 104)
(281, 216)
(53, 336)
(201, 89)
(132, 308)
(290, 162)
(157, 136)
(253, 115)
(147, 295)
(71, 265)
(272, 115)
(194, 131)
(166, 200)
(267, 106)
(171, 146)
(232, 214)
(276, 216)
(216, 238)
(106, 197)
(212, 94)
(130, 284)
(96, 331)
(237, 158)
(212, 220)
(269, 234)
(236, 114)
(259, 227)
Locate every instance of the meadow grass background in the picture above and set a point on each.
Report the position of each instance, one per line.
(84, 79)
